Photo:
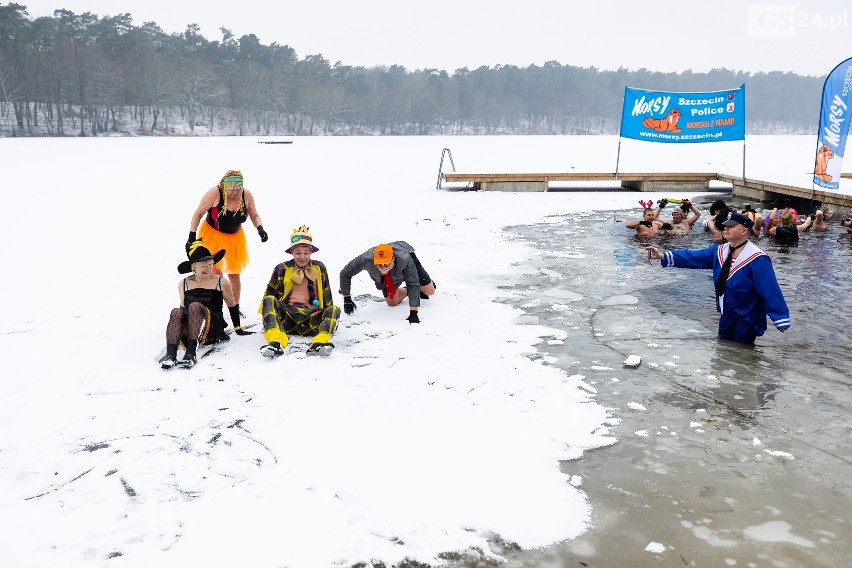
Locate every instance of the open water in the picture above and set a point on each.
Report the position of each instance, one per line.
(727, 455)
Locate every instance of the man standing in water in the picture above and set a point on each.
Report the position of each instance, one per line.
(820, 219)
(681, 225)
(746, 288)
(648, 226)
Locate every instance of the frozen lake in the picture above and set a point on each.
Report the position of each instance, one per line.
(491, 426)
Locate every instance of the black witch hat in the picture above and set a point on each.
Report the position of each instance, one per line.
(199, 253)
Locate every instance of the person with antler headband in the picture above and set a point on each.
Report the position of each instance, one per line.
(226, 206)
(650, 225)
(298, 301)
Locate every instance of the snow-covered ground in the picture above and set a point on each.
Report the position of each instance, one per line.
(407, 442)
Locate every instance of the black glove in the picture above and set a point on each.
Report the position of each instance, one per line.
(413, 317)
(192, 238)
(685, 206)
(348, 305)
(263, 236)
(662, 203)
(668, 226)
(646, 223)
(813, 216)
(235, 319)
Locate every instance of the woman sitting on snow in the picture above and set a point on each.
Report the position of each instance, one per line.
(199, 320)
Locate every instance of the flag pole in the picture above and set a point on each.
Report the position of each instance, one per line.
(618, 156)
(742, 88)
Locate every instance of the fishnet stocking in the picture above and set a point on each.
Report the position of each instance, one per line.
(184, 326)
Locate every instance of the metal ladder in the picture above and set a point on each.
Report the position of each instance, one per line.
(444, 152)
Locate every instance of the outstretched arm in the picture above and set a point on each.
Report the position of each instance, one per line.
(702, 258)
(352, 268)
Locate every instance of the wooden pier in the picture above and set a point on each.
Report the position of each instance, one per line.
(632, 181)
(758, 191)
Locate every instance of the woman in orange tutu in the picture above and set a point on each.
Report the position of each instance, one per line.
(227, 206)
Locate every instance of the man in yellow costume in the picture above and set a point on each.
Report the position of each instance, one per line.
(298, 301)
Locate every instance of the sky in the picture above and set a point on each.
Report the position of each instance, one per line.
(807, 38)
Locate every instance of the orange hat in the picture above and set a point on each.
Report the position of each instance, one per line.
(383, 254)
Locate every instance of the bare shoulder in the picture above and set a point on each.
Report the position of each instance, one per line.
(211, 197)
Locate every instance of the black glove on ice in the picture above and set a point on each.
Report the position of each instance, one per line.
(413, 317)
(348, 305)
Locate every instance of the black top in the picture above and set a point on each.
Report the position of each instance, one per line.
(786, 233)
(212, 299)
(226, 221)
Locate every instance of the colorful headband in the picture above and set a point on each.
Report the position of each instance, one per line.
(232, 179)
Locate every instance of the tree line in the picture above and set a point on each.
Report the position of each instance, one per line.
(80, 74)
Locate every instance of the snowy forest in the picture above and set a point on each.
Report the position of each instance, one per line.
(85, 75)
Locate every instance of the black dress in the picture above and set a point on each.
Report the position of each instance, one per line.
(212, 299)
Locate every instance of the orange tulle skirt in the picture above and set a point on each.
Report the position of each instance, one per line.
(236, 252)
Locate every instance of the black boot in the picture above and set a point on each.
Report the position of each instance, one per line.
(321, 349)
(272, 350)
(189, 358)
(169, 360)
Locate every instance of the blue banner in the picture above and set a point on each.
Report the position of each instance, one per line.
(833, 126)
(658, 116)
